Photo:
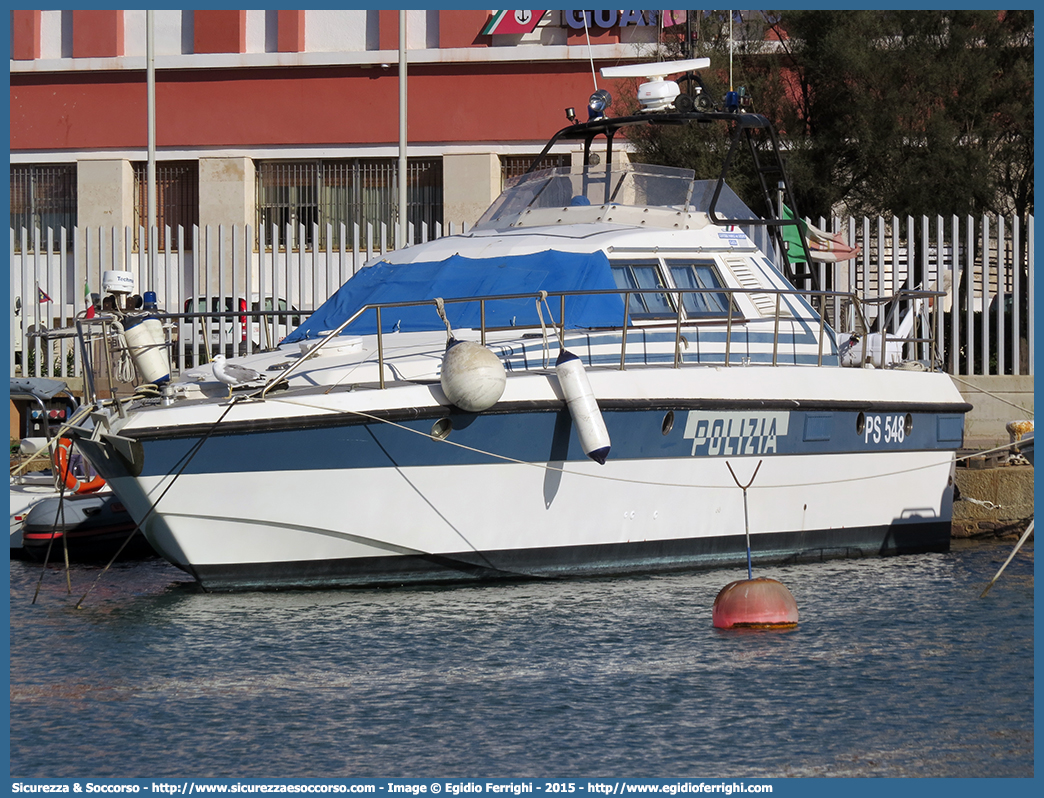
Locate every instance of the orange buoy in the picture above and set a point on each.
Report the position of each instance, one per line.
(755, 604)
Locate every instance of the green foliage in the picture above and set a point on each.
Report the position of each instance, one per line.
(703, 148)
(882, 112)
(51, 366)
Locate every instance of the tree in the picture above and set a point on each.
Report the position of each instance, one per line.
(882, 112)
(912, 112)
(703, 148)
(922, 113)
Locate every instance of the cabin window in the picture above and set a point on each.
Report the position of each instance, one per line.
(641, 274)
(700, 274)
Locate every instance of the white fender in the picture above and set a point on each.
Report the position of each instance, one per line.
(583, 407)
(148, 350)
(473, 378)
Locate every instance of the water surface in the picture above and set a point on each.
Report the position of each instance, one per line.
(897, 668)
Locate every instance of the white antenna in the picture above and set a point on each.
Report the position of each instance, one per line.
(731, 86)
(658, 94)
(590, 55)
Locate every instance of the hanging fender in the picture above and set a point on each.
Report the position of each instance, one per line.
(148, 349)
(63, 452)
(583, 407)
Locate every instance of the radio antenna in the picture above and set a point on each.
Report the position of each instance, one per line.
(590, 55)
(732, 87)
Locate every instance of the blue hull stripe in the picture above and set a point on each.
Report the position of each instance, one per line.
(549, 436)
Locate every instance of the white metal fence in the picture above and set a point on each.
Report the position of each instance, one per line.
(988, 331)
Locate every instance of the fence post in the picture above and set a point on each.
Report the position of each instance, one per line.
(1029, 288)
(985, 315)
(66, 266)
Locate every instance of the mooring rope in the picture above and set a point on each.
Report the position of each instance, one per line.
(995, 396)
(74, 419)
(996, 450)
(1025, 535)
(50, 542)
(184, 463)
(982, 503)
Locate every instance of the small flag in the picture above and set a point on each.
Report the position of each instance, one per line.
(672, 18)
(43, 296)
(88, 300)
(823, 247)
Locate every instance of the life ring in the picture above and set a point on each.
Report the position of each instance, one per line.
(62, 453)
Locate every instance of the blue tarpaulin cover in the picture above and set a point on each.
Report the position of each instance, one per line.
(458, 276)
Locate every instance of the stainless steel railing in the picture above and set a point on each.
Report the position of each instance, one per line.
(680, 321)
(799, 307)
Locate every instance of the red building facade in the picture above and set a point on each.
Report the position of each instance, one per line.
(240, 93)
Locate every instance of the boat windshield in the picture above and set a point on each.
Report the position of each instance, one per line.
(639, 185)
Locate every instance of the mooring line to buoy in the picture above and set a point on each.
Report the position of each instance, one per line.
(746, 521)
(47, 554)
(1025, 535)
(445, 520)
(184, 463)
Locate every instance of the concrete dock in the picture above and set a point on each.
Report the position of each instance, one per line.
(992, 502)
(994, 494)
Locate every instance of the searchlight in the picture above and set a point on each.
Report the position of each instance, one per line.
(596, 106)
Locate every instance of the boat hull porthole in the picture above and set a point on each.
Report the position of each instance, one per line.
(668, 422)
(860, 424)
(908, 424)
(441, 429)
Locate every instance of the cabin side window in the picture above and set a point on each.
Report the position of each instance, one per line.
(643, 274)
(702, 275)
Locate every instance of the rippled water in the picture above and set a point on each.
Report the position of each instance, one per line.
(897, 668)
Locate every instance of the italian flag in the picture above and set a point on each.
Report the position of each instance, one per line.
(87, 300)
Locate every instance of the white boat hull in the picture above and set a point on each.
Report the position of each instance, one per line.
(460, 518)
(353, 467)
(339, 499)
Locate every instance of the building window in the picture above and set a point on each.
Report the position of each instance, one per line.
(43, 196)
(517, 165)
(302, 198)
(177, 197)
